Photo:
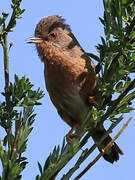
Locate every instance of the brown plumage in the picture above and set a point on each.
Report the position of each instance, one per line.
(70, 77)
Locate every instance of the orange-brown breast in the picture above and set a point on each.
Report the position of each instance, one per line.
(68, 82)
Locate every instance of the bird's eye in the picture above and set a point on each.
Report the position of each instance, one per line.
(53, 35)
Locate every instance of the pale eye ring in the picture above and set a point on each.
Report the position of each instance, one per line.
(53, 35)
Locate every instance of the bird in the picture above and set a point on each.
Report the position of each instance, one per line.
(70, 78)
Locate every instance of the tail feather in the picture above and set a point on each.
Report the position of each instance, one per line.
(113, 153)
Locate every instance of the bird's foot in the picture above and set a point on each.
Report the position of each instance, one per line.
(71, 135)
(93, 101)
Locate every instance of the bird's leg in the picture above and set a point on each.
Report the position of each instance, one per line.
(71, 135)
(93, 101)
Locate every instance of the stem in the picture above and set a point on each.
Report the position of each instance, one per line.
(7, 97)
(9, 26)
(126, 37)
(6, 69)
(17, 128)
(92, 148)
(117, 101)
(104, 150)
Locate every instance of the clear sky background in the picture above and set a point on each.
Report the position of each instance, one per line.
(49, 129)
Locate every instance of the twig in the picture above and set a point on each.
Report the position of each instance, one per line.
(6, 68)
(17, 128)
(104, 150)
(117, 101)
(67, 154)
(13, 17)
(113, 125)
(87, 153)
(6, 71)
(129, 30)
(10, 45)
(130, 27)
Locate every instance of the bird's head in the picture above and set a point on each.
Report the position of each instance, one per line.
(53, 30)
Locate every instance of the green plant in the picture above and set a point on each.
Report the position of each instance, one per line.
(115, 65)
(16, 111)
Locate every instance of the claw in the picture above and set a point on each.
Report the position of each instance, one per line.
(71, 135)
(93, 101)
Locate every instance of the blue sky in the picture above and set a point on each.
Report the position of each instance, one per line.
(49, 129)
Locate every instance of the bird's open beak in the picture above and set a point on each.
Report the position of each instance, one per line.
(34, 40)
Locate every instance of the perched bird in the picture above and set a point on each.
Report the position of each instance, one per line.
(70, 77)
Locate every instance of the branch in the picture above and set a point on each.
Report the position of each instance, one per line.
(6, 67)
(104, 150)
(130, 27)
(4, 43)
(117, 101)
(84, 155)
(17, 129)
(70, 150)
(5, 49)
(126, 37)
(13, 17)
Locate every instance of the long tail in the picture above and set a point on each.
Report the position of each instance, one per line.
(113, 153)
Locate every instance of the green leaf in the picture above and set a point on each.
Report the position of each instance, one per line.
(119, 86)
(31, 119)
(30, 103)
(25, 102)
(127, 98)
(124, 108)
(23, 165)
(37, 177)
(16, 79)
(28, 119)
(1, 22)
(47, 162)
(93, 56)
(63, 146)
(123, 72)
(96, 114)
(14, 1)
(18, 177)
(102, 20)
(3, 156)
(40, 168)
(5, 140)
(38, 103)
(5, 15)
(21, 159)
(15, 170)
(27, 112)
(22, 11)
(31, 94)
(126, 2)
